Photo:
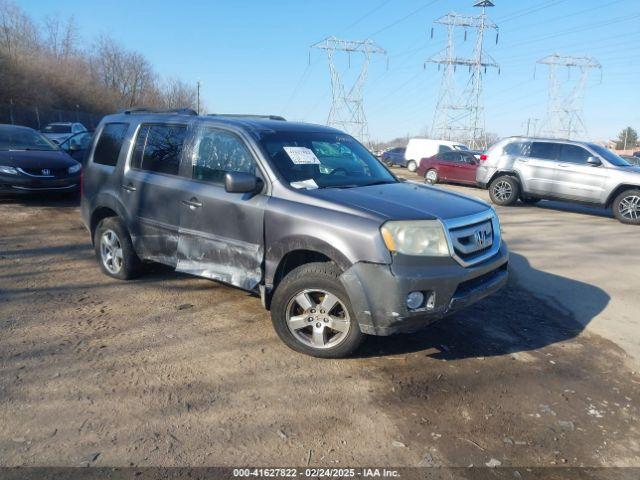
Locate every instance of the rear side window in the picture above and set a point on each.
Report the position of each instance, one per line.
(444, 148)
(110, 143)
(158, 148)
(517, 149)
(544, 150)
(220, 152)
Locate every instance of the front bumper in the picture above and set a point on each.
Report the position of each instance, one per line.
(20, 184)
(377, 292)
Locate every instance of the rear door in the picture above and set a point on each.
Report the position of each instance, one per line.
(445, 164)
(221, 233)
(537, 171)
(151, 188)
(466, 167)
(576, 179)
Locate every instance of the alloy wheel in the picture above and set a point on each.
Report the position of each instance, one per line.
(630, 207)
(317, 318)
(432, 176)
(502, 191)
(111, 252)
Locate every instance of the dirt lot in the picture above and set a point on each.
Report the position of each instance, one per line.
(175, 370)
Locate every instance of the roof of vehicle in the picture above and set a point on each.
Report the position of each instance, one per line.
(17, 127)
(549, 139)
(253, 123)
(61, 123)
(445, 142)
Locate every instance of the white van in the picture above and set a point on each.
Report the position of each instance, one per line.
(419, 148)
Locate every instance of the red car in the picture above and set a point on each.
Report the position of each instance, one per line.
(458, 167)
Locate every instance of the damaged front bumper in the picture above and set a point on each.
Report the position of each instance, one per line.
(378, 292)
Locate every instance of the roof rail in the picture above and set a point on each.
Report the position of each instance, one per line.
(240, 115)
(142, 110)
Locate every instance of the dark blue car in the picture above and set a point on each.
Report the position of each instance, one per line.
(394, 156)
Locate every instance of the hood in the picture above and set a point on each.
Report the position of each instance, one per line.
(403, 201)
(36, 159)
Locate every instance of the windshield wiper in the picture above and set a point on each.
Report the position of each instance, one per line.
(379, 182)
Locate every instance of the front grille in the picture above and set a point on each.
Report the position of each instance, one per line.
(44, 172)
(472, 240)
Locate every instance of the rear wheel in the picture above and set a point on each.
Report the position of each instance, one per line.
(311, 312)
(504, 190)
(626, 207)
(114, 250)
(412, 166)
(431, 176)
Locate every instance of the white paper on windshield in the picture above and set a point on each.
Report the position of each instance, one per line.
(308, 184)
(302, 156)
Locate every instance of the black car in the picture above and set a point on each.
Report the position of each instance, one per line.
(29, 162)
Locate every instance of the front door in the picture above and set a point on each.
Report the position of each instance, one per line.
(221, 233)
(151, 187)
(465, 168)
(537, 171)
(576, 179)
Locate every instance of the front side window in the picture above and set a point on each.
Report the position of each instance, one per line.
(574, 154)
(110, 143)
(158, 148)
(545, 150)
(323, 160)
(216, 153)
(444, 148)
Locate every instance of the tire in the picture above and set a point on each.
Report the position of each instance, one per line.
(504, 190)
(431, 177)
(299, 297)
(529, 200)
(626, 207)
(412, 166)
(111, 240)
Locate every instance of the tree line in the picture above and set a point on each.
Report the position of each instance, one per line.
(44, 63)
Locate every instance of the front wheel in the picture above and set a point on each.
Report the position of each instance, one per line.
(311, 312)
(431, 176)
(626, 207)
(504, 190)
(412, 166)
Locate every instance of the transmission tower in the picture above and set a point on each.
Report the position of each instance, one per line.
(564, 118)
(461, 116)
(347, 108)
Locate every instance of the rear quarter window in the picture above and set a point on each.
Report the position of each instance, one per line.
(517, 149)
(110, 143)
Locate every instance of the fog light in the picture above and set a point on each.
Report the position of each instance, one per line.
(415, 300)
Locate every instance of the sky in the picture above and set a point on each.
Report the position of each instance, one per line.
(254, 56)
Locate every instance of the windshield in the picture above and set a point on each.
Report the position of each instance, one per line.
(57, 128)
(323, 160)
(609, 156)
(24, 139)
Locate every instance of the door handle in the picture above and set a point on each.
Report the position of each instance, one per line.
(129, 187)
(192, 203)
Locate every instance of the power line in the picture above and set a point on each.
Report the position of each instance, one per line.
(402, 19)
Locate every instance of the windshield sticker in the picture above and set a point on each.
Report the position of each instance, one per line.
(308, 184)
(302, 156)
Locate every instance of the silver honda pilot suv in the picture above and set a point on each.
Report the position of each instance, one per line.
(531, 169)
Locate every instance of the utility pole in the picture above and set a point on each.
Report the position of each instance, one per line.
(462, 118)
(198, 97)
(564, 117)
(347, 106)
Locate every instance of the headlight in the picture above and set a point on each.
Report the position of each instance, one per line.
(425, 238)
(74, 168)
(8, 170)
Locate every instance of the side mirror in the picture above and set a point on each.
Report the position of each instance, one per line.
(241, 182)
(74, 146)
(594, 161)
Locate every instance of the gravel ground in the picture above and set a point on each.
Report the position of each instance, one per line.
(175, 370)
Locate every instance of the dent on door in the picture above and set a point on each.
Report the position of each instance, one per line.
(235, 256)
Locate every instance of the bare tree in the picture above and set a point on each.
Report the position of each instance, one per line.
(61, 36)
(179, 94)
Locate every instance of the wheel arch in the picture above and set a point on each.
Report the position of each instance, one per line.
(617, 191)
(508, 173)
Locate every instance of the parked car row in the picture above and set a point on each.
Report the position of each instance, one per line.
(532, 169)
